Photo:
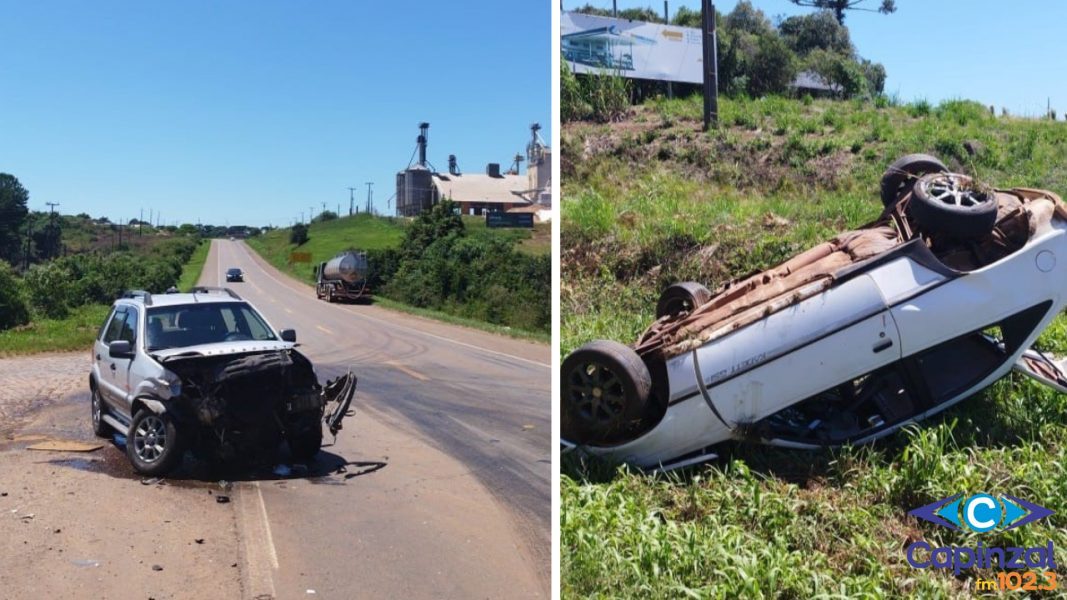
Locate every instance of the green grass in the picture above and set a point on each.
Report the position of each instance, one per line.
(191, 270)
(76, 332)
(650, 201)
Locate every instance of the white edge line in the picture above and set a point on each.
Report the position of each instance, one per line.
(266, 525)
(387, 323)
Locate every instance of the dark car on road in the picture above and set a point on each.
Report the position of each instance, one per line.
(234, 274)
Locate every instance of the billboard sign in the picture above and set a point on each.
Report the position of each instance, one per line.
(633, 49)
(506, 219)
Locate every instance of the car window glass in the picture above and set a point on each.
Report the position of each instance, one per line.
(230, 320)
(257, 329)
(129, 327)
(114, 328)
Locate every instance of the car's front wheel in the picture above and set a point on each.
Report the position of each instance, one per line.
(153, 445)
(100, 428)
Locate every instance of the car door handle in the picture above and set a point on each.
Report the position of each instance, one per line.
(113, 364)
(883, 345)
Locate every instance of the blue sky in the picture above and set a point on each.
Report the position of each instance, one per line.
(251, 112)
(1008, 54)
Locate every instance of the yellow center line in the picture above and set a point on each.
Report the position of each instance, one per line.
(408, 371)
(323, 329)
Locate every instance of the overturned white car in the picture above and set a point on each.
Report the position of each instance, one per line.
(845, 343)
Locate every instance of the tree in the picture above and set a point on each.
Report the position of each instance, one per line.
(819, 30)
(299, 234)
(13, 211)
(748, 18)
(773, 67)
(431, 225)
(838, 7)
(687, 17)
(326, 215)
(13, 310)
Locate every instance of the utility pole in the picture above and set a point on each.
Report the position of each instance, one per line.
(323, 207)
(667, 21)
(351, 199)
(140, 223)
(29, 236)
(370, 194)
(311, 212)
(53, 237)
(615, 8)
(709, 42)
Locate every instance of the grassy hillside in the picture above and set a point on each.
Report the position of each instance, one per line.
(325, 240)
(650, 200)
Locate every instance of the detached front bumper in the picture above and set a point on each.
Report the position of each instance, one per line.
(338, 396)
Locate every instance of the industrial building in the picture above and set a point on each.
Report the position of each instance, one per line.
(419, 186)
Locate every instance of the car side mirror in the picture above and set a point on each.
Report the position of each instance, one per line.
(120, 349)
(288, 335)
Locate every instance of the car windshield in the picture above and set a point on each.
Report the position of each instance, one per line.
(207, 323)
(234, 271)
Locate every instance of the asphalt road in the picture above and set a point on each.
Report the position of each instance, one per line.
(439, 486)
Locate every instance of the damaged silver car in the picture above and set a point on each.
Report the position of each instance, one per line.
(205, 372)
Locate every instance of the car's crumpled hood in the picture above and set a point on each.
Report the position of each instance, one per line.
(221, 349)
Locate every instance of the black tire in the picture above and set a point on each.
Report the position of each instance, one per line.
(947, 204)
(686, 296)
(902, 174)
(153, 445)
(605, 387)
(329, 295)
(306, 444)
(96, 413)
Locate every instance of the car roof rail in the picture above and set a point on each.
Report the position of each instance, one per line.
(145, 297)
(207, 289)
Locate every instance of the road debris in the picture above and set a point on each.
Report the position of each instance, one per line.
(222, 499)
(157, 568)
(65, 446)
(152, 480)
(199, 540)
(85, 563)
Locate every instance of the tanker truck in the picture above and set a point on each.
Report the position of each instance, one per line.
(343, 277)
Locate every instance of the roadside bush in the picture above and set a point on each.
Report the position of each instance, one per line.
(440, 266)
(298, 234)
(13, 309)
(48, 287)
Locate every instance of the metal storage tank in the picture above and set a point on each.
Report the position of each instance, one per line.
(418, 190)
(349, 266)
